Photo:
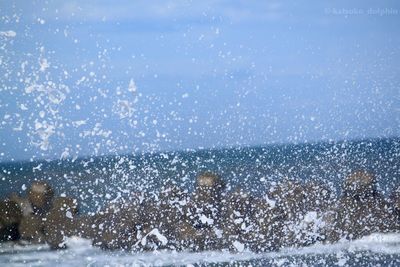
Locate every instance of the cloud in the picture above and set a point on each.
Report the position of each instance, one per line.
(232, 11)
(127, 10)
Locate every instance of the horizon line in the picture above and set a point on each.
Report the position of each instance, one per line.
(194, 150)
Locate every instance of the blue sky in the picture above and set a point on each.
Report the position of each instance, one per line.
(105, 77)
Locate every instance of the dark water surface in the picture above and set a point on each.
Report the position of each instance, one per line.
(96, 180)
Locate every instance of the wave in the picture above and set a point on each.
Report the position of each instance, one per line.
(384, 247)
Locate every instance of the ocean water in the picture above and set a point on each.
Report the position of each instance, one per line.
(99, 180)
(373, 250)
(95, 181)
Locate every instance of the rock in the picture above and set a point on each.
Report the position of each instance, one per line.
(362, 210)
(60, 222)
(268, 222)
(206, 202)
(209, 239)
(356, 218)
(31, 229)
(9, 233)
(151, 219)
(187, 236)
(238, 204)
(10, 217)
(172, 208)
(290, 200)
(65, 205)
(290, 197)
(85, 226)
(115, 227)
(150, 213)
(153, 239)
(301, 207)
(395, 199)
(238, 224)
(330, 231)
(160, 216)
(23, 203)
(40, 195)
(360, 184)
(210, 183)
(319, 196)
(10, 212)
(313, 224)
(309, 229)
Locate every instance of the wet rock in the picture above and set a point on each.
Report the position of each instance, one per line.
(268, 222)
(360, 217)
(150, 213)
(360, 184)
(151, 226)
(362, 210)
(211, 184)
(85, 226)
(290, 197)
(311, 226)
(301, 208)
(290, 200)
(60, 222)
(23, 203)
(187, 237)
(10, 217)
(153, 239)
(319, 196)
(10, 212)
(173, 207)
(395, 199)
(238, 221)
(9, 233)
(195, 222)
(209, 238)
(308, 229)
(31, 229)
(395, 202)
(160, 217)
(40, 195)
(115, 226)
(206, 202)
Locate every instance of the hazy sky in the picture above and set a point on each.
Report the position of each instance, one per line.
(98, 77)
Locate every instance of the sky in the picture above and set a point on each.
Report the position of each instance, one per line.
(81, 78)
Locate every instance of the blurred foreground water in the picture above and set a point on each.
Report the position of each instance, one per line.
(373, 250)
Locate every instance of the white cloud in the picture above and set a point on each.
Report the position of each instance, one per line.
(124, 10)
(236, 11)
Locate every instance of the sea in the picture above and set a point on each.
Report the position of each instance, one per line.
(96, 181)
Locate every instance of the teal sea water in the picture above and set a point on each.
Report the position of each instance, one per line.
(96, 180)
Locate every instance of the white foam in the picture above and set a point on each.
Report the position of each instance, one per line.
(155, 232)
(239, 246)
(81, 253)
(8, 34)
(132, 86)
(204, 219)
